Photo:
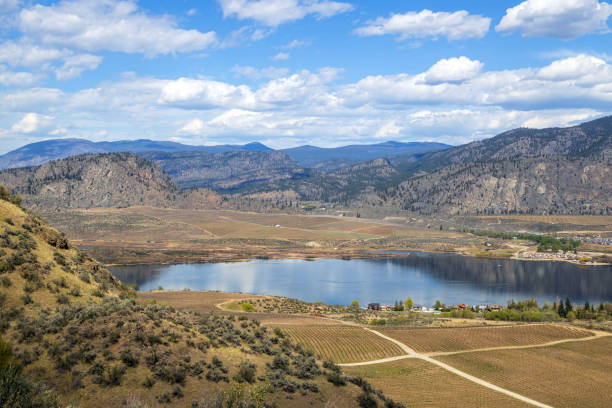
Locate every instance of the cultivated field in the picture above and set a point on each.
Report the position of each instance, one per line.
(455, 339)
(573, 374)
(343, 344)
(417, 383)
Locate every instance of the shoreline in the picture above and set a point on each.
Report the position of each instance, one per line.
(344, 255)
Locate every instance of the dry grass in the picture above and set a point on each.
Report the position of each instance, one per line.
(343, 344)
(455, 339)
(566, 375)
(417, 383)
(195, 301)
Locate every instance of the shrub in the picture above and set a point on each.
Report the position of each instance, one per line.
(5, 281)
(366, 400)
(177, 392)
(114, 375)
(246, 372)
(148, 382)
(128, 358)
(336, 378)
(247, 307)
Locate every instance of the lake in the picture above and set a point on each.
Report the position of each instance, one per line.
(424, 277)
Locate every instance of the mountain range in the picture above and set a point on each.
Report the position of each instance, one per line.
(524, 171)
(38, 153)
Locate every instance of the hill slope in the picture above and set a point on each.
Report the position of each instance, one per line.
(105, 180)
(79, 337)
(534, 185)
(226, 171)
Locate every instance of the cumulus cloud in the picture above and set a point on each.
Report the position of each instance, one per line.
(204, 94)
(33, 123)
(276, 12)
(193, 127)
(112, 25)
(525, 88)
(453, 70)
(564, 19)
(426, 23)
(8, 6)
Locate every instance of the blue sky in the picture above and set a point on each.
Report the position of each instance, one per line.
(291, 72)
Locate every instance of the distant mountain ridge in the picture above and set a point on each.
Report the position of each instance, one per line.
(326, 159)
(524, 171)
(38, 153)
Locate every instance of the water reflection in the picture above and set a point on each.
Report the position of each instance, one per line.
(423, 277)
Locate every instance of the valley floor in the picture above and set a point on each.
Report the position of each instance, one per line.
(477, 365)
(161, 235)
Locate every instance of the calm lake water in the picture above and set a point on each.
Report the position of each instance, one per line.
(424, 277)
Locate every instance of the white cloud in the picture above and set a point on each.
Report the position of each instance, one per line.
(388, 130)
(453, 70)
(426, 23)
(564, 19)
(281, 56)
(193, 127)
(584, 68)
(10, 78)
(32, 123)
(525, 88)
(112, 25)
(293, 44)
(192, 12)
(204, 94)
(73, 66)
(255, 73)
(275, 12)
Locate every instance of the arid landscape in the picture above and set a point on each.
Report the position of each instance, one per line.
(305, 204)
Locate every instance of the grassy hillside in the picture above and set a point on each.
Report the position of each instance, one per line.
(71, 334)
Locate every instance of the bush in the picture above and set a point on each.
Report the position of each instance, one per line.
(246, 372)
(128, 358)
(366, 400)
(336, 378)
(247, 307)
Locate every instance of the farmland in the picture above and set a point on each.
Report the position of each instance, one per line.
(449, 339)
(417, 383)
(343, 344)
(565, 375)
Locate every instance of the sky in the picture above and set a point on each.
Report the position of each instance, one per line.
(294, 72)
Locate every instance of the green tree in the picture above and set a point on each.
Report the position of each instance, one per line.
(568, 305)
(438, 305)
(409, 304)
(355, 304)
(561, 310)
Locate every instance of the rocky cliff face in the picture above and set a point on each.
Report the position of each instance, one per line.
(535, 185)
(105, 180)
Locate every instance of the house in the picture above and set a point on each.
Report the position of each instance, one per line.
(386, 307)
(373, 306)
(494, 307)
(462, 306)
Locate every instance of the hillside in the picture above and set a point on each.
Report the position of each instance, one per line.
(105, 180)
(591, 139)
(38, 153)
(226, 171)
(534, 185)
(71, 334)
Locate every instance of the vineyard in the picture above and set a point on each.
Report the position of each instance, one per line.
(417, 383)
(443, 339)
(566, 375)
(343, 344)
